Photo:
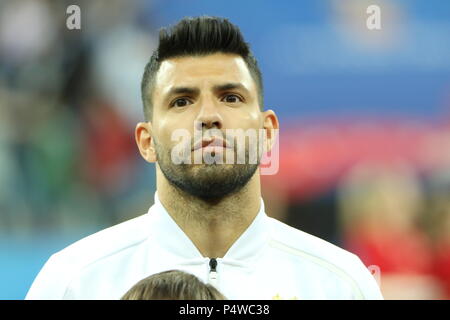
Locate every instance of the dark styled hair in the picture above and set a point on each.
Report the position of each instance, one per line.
(196, 37)
(172, 285)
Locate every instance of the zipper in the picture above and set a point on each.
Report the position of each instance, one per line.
(212, 277)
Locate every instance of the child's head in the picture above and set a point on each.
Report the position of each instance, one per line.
(172, 285)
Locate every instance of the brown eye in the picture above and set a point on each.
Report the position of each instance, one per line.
(181, 102)
(232, 98)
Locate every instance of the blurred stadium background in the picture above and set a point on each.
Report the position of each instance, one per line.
(364, 139)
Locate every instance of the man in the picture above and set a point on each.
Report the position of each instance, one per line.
(208, 218)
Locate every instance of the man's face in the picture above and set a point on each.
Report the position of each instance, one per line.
(198, 94)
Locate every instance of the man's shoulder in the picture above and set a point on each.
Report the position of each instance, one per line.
(297, 240)
(329, 260)
(306, 247)
(64, 266)
(104, 243)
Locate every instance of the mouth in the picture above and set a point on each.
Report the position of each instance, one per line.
(210, 145)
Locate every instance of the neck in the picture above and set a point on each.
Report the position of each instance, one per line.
(212, 227)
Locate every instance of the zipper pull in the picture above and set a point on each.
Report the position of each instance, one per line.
(212, 279)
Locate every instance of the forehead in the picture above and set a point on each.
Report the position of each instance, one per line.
(203, 71)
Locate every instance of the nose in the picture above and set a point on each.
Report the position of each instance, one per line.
(208, 117)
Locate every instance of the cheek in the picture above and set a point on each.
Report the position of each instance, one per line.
(162, 132)
(246, 120)
(170, 132)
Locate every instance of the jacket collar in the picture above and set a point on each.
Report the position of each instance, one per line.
(172, 239)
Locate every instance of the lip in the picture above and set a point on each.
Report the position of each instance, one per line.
(216, 142)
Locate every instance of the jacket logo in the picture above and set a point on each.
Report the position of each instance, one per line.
(278, 297)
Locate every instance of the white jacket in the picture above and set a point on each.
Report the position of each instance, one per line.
(269, 261)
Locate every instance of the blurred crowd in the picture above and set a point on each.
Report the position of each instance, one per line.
(69, 102)
(68, 107)
(392, 219)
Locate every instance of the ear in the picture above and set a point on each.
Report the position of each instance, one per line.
(271, 126)
(145, 142)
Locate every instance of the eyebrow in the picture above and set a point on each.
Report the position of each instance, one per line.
(229, 86)
(183, 90)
